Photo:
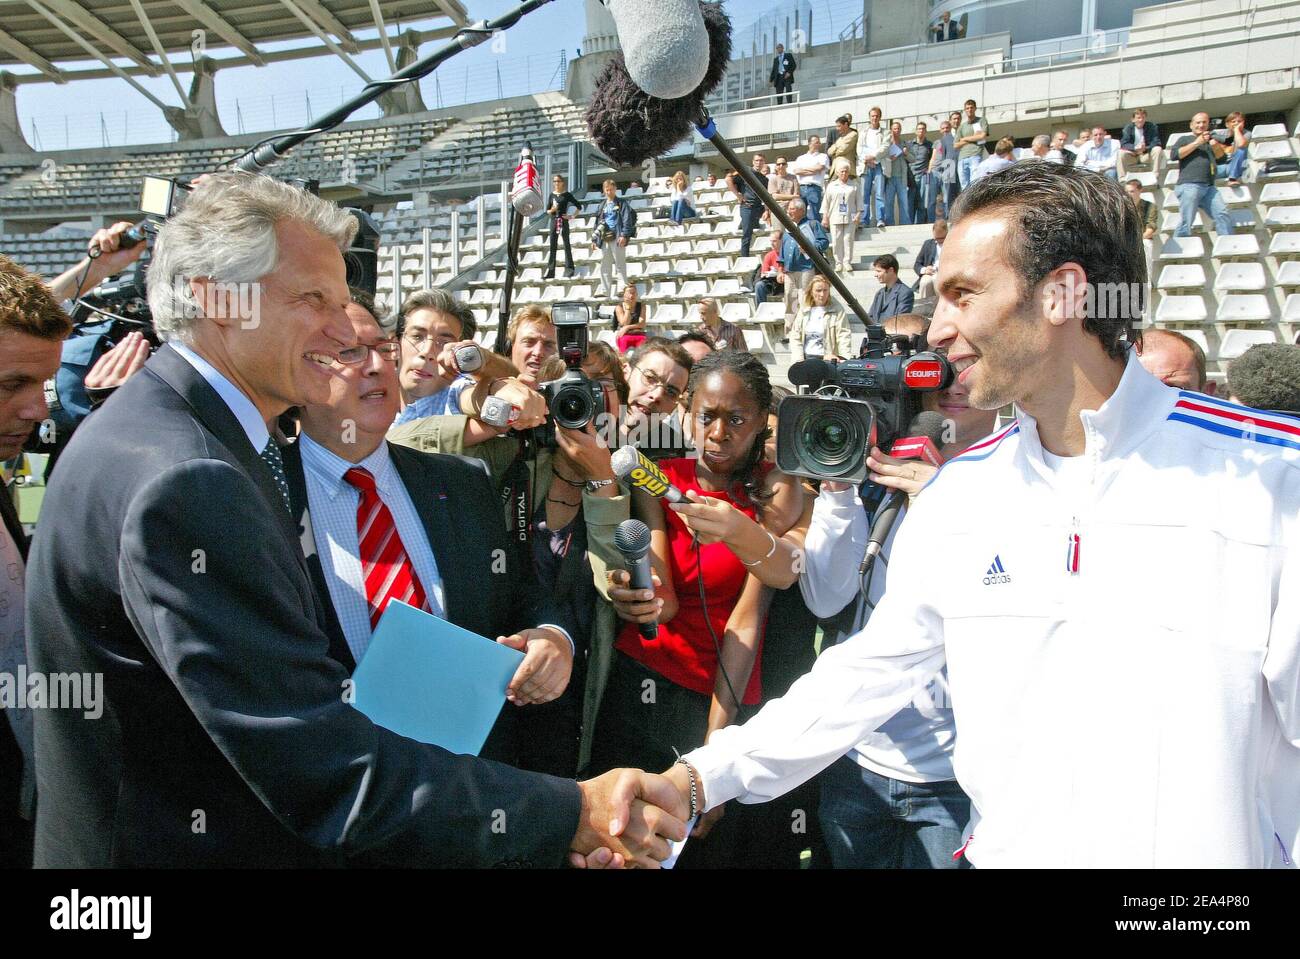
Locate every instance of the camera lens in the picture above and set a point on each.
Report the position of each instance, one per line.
(831, 439)
(574, 408)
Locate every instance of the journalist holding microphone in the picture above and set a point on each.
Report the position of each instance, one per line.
(715, 555)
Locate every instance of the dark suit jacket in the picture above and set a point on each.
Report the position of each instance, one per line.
(462, 521)
(166, 560)
(923, 259)
(781, 65)
(15, 831)
(891, 302)
(1128, 137)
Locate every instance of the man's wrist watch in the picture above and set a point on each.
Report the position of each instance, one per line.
(596, 485)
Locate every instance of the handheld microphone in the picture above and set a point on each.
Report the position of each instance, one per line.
(526, 195)
(469, 359)
(498, 412)
(926, 437)
(667, 54)
(639, 472)
(632, 539)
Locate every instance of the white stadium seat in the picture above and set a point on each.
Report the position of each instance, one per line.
(1284, 244)
(1199, 338)
(1291, 311)
(1183, 248)
(725, 288)
(1237, 245)
(1271, 150)
(1181, 309)
(1268, 131)
(1288, 273)
(1236, 342)
(1240, 277)
(1282, 217)
(693, 289)
(771, 311)
(1181, 277)
(1280, 193)
(1244, 308)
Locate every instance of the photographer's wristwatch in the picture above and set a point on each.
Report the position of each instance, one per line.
(597, 485)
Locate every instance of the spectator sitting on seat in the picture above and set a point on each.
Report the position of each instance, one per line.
(1150, 216)
(1139, 144)
(1174, 359)
(1266, 377)
(927, 260)
(697, 345)
(1101, 155)
(723, 334)
(629, 315)
(1000, 160)
(712, 178)
(820, 329)
(1061, 152)
(771, 276)
(683, 200)
(795, 264)
(1197, 155)
(1239, 140)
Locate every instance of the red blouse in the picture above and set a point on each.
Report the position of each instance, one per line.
(684, 651)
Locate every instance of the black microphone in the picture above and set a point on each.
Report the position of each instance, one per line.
(926, 427)
(632, 539)
(812, 373)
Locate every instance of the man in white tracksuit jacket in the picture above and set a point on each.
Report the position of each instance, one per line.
(1112, 580)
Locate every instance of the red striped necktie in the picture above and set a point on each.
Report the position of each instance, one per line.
(385, 567)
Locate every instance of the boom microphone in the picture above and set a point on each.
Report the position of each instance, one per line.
(639, 472)
(666, 54)
(632, 539)
(628, 122)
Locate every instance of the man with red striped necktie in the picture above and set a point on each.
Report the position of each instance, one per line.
(387, 523)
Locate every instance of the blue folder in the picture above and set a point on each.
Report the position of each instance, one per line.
(429, 680)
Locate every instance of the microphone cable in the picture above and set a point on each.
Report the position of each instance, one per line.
(704, 604)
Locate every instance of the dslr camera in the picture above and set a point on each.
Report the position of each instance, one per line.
(855, 405)
(574, 399)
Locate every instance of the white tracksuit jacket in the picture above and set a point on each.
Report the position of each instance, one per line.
(1124, 674)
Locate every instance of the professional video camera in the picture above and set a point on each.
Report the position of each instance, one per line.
(574, 399)
(855, 405)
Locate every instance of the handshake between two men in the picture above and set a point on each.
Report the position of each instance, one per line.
(631, 817)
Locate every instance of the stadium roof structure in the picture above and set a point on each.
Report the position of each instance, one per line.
(141, 37)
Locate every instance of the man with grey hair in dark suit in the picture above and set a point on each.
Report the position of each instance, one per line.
(168, 562)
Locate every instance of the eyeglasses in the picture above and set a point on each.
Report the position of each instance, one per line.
(653, 379)
(356, 355)
(420, 340)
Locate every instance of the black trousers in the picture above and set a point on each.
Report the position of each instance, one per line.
(784, 86)
(750, 219)
(631, 732)
(560, 225)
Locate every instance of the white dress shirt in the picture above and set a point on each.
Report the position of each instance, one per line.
(332, 503)
(240, 405)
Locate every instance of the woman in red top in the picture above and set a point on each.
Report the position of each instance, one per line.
(668, 693)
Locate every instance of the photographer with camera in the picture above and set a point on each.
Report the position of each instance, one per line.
(109, 253)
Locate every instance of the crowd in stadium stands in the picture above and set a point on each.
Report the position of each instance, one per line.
(722, 561)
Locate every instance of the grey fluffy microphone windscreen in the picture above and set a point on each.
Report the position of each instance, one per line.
(665, 45)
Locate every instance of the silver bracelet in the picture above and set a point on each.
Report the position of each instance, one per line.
(695, 796)
(770, 552)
